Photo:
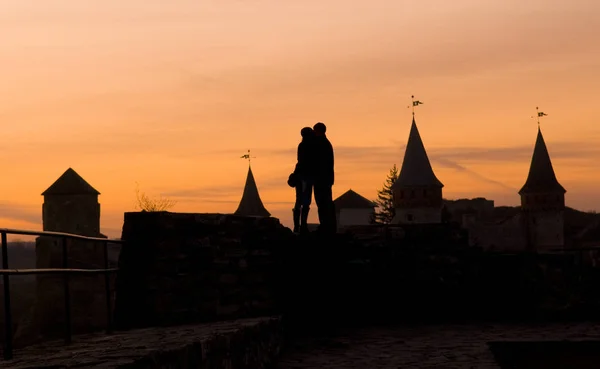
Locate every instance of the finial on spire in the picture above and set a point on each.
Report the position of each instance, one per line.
(539, 115)
(414, 103)
(247, 156)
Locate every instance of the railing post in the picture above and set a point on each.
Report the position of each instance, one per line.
(64, 237)
(8, 349)
(107, 290)
(65, 263)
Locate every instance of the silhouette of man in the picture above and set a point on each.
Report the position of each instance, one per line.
(323, 179)
(303, 179)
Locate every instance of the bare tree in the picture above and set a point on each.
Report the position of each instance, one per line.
(146, 203)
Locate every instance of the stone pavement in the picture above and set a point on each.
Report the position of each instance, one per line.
(425, 347)
(255, 342)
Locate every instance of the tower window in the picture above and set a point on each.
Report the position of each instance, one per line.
(402, 194)
(409, 217)
(412, 194)
(424, 192)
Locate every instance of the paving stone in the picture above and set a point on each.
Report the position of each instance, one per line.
(439, 347)
(180, 347)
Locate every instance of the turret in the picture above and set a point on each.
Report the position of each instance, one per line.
(251, 205)
(543, 201)
(417, 191)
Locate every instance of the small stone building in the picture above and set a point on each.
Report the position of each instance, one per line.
(353, 209)
(70, 206)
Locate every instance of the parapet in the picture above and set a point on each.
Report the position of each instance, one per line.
(180, 268)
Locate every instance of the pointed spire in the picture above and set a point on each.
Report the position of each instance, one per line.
(416, 169)
(541, 176)
(70, 183)
(251, 204)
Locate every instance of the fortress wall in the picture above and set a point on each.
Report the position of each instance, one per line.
(178, 268)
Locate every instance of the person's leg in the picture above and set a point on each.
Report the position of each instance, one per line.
(329, 217)
(297, 208)
(332, 213)
(319, 200)
(307, 198)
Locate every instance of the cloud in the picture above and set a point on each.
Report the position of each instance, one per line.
(359, 158)
(558, 150)
(456, 158)
(453, 165)
(25, 213)
(218, 194)
(452, 156)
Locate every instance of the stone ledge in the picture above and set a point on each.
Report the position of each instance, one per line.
(244, 343)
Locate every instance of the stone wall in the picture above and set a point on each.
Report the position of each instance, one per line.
(183, 268)
(75, 213)
(180, 268)
(428, 273)
(510, 235)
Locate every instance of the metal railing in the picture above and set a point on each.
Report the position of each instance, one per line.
(65, 271)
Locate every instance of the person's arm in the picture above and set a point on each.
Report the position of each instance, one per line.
(298, 158)
(331, 163)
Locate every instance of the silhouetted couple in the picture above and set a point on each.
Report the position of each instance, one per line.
(314, 170)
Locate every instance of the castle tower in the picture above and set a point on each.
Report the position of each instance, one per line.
(543, 201)
(70, 206)
(417, 191)
(251, 205)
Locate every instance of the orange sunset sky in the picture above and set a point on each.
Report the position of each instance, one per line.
(170, 94)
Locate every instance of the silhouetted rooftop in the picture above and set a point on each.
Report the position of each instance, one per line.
(416, 169)
(251, 204)
(70, 183)
(541, 177)
(352, 200)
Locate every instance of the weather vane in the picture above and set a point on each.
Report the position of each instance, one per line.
(247, 156)
(539, 115)
(414, 103)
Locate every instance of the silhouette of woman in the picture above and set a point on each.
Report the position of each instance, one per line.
(302, 180)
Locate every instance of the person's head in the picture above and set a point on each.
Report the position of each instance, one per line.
(320, 129)
(306, 132)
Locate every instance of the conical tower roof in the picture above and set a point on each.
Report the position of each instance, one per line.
(70, 183)
(416, 169)
(251, 204)
(541, 176)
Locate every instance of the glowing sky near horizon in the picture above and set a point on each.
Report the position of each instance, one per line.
(170, 94)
